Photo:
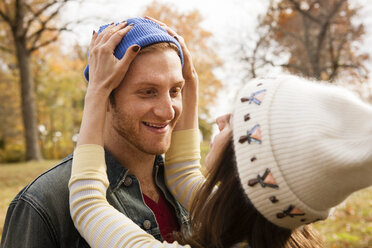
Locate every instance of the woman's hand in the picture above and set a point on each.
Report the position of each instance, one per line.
(106, 72)
(189, 117)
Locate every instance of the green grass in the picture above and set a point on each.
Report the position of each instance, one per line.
(349, 227)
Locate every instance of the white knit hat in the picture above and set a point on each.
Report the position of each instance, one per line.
(301, 147)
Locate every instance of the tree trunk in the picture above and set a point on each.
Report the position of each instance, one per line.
(28, 102)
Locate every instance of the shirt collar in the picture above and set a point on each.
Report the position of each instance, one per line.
(116, 172)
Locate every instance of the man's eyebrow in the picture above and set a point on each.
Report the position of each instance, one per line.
(151, 84)
(181, 82)
(145, 83)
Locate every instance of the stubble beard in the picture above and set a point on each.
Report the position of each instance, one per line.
(123, 126)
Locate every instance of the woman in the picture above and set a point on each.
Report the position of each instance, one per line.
(291, 151)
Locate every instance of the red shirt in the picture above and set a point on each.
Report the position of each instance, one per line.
(165, 216)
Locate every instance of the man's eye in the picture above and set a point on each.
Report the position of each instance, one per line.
(148, 92)
(175, 91)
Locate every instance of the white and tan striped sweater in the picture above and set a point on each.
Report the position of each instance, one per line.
(102, 225)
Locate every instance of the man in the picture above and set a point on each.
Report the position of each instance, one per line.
(141, 115)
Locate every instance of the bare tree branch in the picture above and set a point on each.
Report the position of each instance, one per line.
(325, 26)
(252, 60)
(4, 16)
(348, 66)
(43, 9)
(18, 13)
(27, 15)
(302, 69)
(291, 34)
(335, 58)
(6, 49)
(321, 48)
(307, 44)
(45, 43)
(43, 23)
(6, 8)
(304, 13)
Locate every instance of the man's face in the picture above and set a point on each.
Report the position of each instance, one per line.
(149, 102)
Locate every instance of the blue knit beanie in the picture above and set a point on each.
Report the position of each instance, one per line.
(143, 33)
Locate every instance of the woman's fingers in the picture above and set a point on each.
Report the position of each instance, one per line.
(117, 36)
(108, 32)
(112, 29)
(102, 34)
(93, 40)
(104, 68)
(188, 69)
(129, 56)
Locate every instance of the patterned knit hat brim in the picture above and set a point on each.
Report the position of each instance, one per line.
(301, 147)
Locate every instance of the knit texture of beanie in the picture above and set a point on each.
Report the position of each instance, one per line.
(144, 33)
(301, 147)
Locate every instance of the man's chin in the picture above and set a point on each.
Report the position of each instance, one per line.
(156, 149)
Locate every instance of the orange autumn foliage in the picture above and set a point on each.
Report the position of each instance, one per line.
(321, 39)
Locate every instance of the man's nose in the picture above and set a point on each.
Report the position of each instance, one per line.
(165, 109)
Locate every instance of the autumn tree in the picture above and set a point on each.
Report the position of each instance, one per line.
(188, 25)
(30, 26)
(11, 148)
(11, 145)
(60, 97)
(319, 39)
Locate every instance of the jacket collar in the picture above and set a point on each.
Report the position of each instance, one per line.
(117, 172)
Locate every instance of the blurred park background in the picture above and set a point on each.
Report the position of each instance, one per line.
(43, 51)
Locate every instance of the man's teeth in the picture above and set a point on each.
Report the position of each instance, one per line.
(154, 125)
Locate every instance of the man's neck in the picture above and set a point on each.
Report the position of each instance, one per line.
(136, 161)
(133, 159)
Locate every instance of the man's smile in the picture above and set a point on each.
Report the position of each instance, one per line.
(158, 127)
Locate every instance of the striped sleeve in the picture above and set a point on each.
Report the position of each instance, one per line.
(98, 222)
(182, 166)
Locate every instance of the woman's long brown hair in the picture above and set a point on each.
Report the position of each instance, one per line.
(224, 216)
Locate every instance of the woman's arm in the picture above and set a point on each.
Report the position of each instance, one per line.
(182, 166)
(99, 223)
(106, 72)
